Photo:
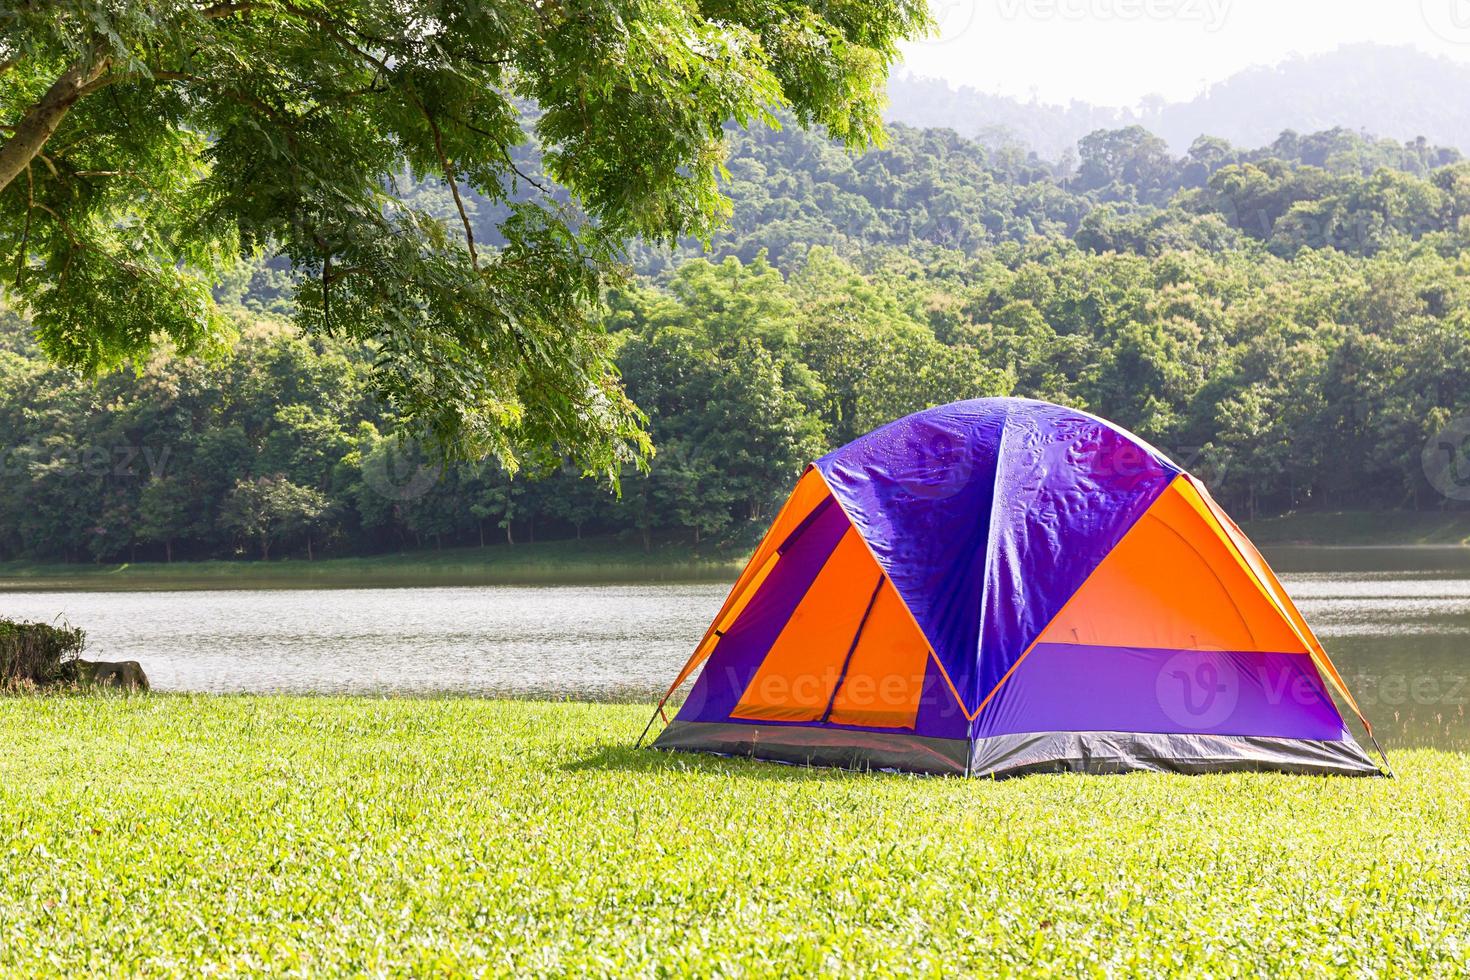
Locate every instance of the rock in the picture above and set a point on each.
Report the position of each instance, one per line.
(126, 674)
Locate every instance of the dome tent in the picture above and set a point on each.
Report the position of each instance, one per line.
(1004, 586)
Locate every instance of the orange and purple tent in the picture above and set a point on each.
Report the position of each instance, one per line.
(1006, 586)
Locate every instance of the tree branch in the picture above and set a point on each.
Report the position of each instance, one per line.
(509, 161)
(464, 218)
(42, 119)
(219, 10)
(25, 238)
(522, 174)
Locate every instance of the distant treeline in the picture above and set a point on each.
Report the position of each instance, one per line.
(1292, 323)
(1375, 87)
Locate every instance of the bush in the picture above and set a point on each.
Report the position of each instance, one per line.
(34, 653)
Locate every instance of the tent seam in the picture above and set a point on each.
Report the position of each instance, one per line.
(857, 638)
(1070, 599)
(901, 600)
(1005, 425)
(851, 529)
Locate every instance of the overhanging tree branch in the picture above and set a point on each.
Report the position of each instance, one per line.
(41, 120)
(464, 218)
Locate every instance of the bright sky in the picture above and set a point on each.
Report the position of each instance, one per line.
(1115, 52)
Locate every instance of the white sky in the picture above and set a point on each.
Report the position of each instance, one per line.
(1115, 52)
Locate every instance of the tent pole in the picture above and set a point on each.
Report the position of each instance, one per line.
(852, 648)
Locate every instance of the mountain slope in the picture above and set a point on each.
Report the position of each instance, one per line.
(1398, 92)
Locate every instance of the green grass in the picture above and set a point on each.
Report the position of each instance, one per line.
(1362, 528)
(552, 562)
(186, 835)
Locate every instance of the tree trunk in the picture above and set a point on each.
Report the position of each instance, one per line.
(265, 549)
(510, 538)
(579, 531)
(41, 119)
(647, 539)
(168, 551)
(309, 555)
(482, 534)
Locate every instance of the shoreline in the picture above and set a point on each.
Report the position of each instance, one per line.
(608, 561)
(603, 561)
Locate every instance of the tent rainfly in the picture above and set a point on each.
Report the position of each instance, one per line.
(1005, 586)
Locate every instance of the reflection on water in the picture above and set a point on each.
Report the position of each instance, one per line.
(1402, 642)
(1396, 621)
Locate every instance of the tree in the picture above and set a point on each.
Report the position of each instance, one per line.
(1129, 164)
(497, 496)
(165, 512)
(271, 508)
(577, 501)
(148, 144)
(304, 444)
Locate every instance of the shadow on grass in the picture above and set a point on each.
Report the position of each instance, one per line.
(625, 758)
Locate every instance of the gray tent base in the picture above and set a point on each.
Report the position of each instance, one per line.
(1000, 756)
(1116, 752)
(837, 748)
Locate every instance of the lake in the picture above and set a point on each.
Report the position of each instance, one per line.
(1396, 621)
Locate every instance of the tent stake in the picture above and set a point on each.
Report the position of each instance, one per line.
(1382, 755)
(656, 709)
(639, 744)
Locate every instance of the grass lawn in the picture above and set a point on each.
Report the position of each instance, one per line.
(191, 834)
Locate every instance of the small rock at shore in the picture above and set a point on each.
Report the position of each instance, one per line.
(126, 674)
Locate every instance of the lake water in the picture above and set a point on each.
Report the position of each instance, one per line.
(1396, 621)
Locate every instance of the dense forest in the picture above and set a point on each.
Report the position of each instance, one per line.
(1292, 322)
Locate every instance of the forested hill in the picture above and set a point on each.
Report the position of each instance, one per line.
(1125, 191)
(1292, 322)
(1393, 91)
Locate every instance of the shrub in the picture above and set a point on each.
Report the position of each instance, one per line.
(34, 653)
